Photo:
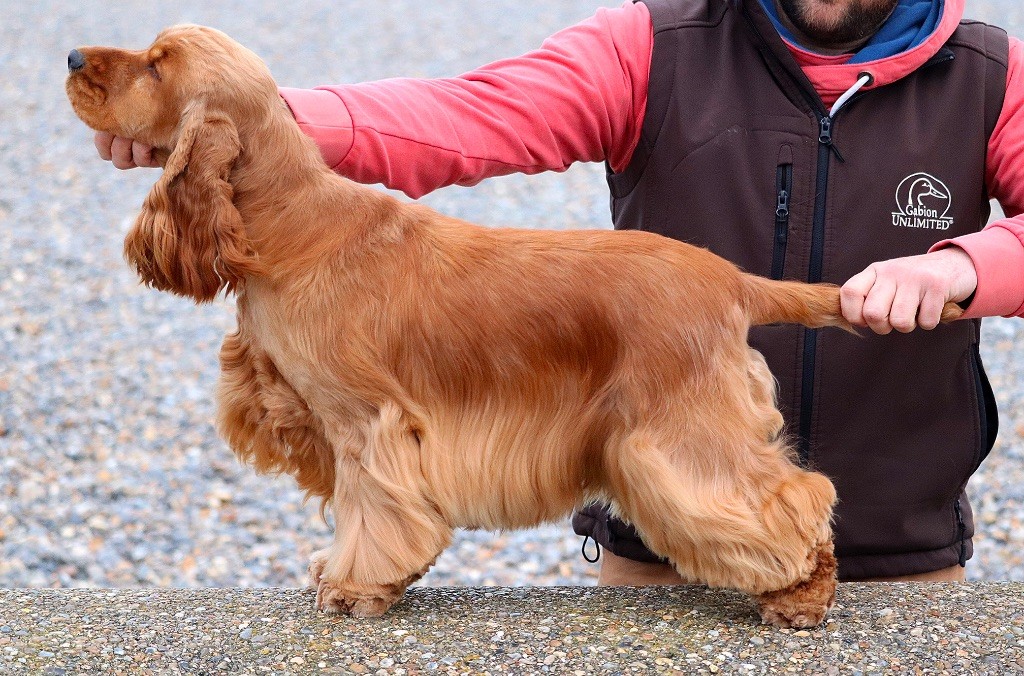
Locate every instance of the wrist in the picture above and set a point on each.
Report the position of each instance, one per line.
(998, 256)
(962, 275)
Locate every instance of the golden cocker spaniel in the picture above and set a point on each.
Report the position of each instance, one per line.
(418, 373)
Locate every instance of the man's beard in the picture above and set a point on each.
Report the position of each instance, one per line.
(856, 24)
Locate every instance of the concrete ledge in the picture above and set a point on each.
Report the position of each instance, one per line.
(896, 628)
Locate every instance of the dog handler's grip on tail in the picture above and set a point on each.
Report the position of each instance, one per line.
(770, 301)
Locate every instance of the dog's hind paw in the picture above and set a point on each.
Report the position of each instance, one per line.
(805, 604)
(793, 618)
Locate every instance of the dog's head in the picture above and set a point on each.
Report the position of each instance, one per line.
(155, 95)
(187, 95)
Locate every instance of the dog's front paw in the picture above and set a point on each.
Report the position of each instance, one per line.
(317, 563)
(334, 599)
(805, 604)
(343, 596)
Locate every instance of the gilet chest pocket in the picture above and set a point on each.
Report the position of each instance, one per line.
(783, 197)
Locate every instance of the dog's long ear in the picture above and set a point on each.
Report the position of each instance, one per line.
(189, 238)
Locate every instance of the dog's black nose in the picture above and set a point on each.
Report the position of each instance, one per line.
(76, 60)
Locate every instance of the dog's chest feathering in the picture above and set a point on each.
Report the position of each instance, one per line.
(476, 455)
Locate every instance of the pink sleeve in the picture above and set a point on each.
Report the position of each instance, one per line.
(580, 97)
(998, 250)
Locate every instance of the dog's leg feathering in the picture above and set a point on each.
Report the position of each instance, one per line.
(387, 531)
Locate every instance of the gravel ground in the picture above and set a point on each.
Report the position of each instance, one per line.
(874, 629)
(110, 471)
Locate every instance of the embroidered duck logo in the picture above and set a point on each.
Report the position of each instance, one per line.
(923, 201)
(923, 186)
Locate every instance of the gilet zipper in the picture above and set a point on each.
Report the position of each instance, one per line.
(810, 351)
(810, 336)
(962, 531)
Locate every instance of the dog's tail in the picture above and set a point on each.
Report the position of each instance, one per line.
(814, 305)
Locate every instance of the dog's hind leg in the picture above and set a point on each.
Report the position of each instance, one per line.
(725, 532)
(387, 531)
(709, 487)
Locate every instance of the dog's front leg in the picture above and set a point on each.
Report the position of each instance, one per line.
(387, 531)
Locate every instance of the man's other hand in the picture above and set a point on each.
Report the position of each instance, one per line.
(907, 293)
(125, 153)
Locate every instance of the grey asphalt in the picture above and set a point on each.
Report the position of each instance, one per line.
(110, 471)
(874, 629)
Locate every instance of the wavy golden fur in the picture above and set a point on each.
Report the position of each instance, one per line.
(419, 373)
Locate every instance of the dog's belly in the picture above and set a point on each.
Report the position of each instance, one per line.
(507, 467)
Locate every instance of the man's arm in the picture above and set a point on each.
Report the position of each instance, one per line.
(580, 97)
(905, 293)
(998, 250)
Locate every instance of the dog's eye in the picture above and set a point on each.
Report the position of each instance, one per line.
(153, 71)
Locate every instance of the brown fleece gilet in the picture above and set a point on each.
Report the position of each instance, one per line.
(735, 156)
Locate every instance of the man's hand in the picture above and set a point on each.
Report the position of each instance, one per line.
(907, 293)
(124, 152)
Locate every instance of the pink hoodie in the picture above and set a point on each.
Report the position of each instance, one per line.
(582, 97)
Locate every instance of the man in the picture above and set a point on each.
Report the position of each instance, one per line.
(805, 139)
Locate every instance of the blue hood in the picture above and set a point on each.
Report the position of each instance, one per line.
(910, 24)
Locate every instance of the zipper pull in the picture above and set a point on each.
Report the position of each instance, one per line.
(781, 214)
(825, 136)
(963, 529)
(825, 131)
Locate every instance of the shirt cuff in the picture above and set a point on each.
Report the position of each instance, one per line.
(322, 116)
(998, 258)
